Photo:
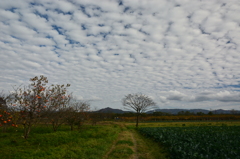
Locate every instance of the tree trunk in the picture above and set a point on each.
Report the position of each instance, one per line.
(27, 131)
(79, 125)
(4, 128)
(54, 127)
(137, 120)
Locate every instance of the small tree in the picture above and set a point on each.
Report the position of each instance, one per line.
(30, 101)
(95, 116)
(33, 100)
(137, 102)
(58, 105)
(77, 113)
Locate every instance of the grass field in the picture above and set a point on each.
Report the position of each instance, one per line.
(105, 140)
(90, 142)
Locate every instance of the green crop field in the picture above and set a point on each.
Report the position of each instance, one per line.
(201, 142)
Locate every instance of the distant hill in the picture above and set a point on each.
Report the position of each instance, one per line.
(175, 111)
(170, 111)
(111, 110)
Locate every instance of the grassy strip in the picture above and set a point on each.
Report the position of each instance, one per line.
(127, 142)
(122, 152)
(185, 123)
(148, 149)
(91, 143)
(124, 147)
(130, 144)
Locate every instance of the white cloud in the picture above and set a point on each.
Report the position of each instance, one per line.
(175, 95)
(106, 50)
(163, 99)
(222, 96)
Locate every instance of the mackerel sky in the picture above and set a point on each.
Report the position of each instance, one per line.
(181, 53)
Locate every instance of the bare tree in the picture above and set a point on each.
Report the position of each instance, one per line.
(58, 105)
(137, 102)
(95, 116)
(77, 113)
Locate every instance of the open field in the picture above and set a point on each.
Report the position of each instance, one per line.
(90, 142)
(203, 142)
(105, 140)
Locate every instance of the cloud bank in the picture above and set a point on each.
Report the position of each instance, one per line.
(223, 96)
(183, 53)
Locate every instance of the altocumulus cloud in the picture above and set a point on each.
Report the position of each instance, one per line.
(182, 53)
(224, 96)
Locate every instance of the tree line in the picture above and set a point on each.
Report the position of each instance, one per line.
(53, 105)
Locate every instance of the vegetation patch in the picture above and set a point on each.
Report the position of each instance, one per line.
(197, 142)
(121, 152)
(148, 149)
(187, 123)
(127, 142)
(91, 143)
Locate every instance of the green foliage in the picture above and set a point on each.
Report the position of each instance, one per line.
(90, 143)
(198, 142)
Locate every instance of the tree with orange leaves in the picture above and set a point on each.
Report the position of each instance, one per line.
(58, 105)
(33, 100)
(5, 114)
(5, 119)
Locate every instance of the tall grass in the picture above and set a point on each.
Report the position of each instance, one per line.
(91, 142)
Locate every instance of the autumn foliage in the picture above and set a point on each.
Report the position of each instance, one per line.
(34, 100)
(6, 120)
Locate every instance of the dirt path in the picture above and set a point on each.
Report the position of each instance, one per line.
(125, 146)
(131, 145)
(135, 146)
(111, 149)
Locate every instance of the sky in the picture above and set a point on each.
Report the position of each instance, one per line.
(181, 53)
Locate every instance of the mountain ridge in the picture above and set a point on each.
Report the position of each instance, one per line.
(172, 111)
